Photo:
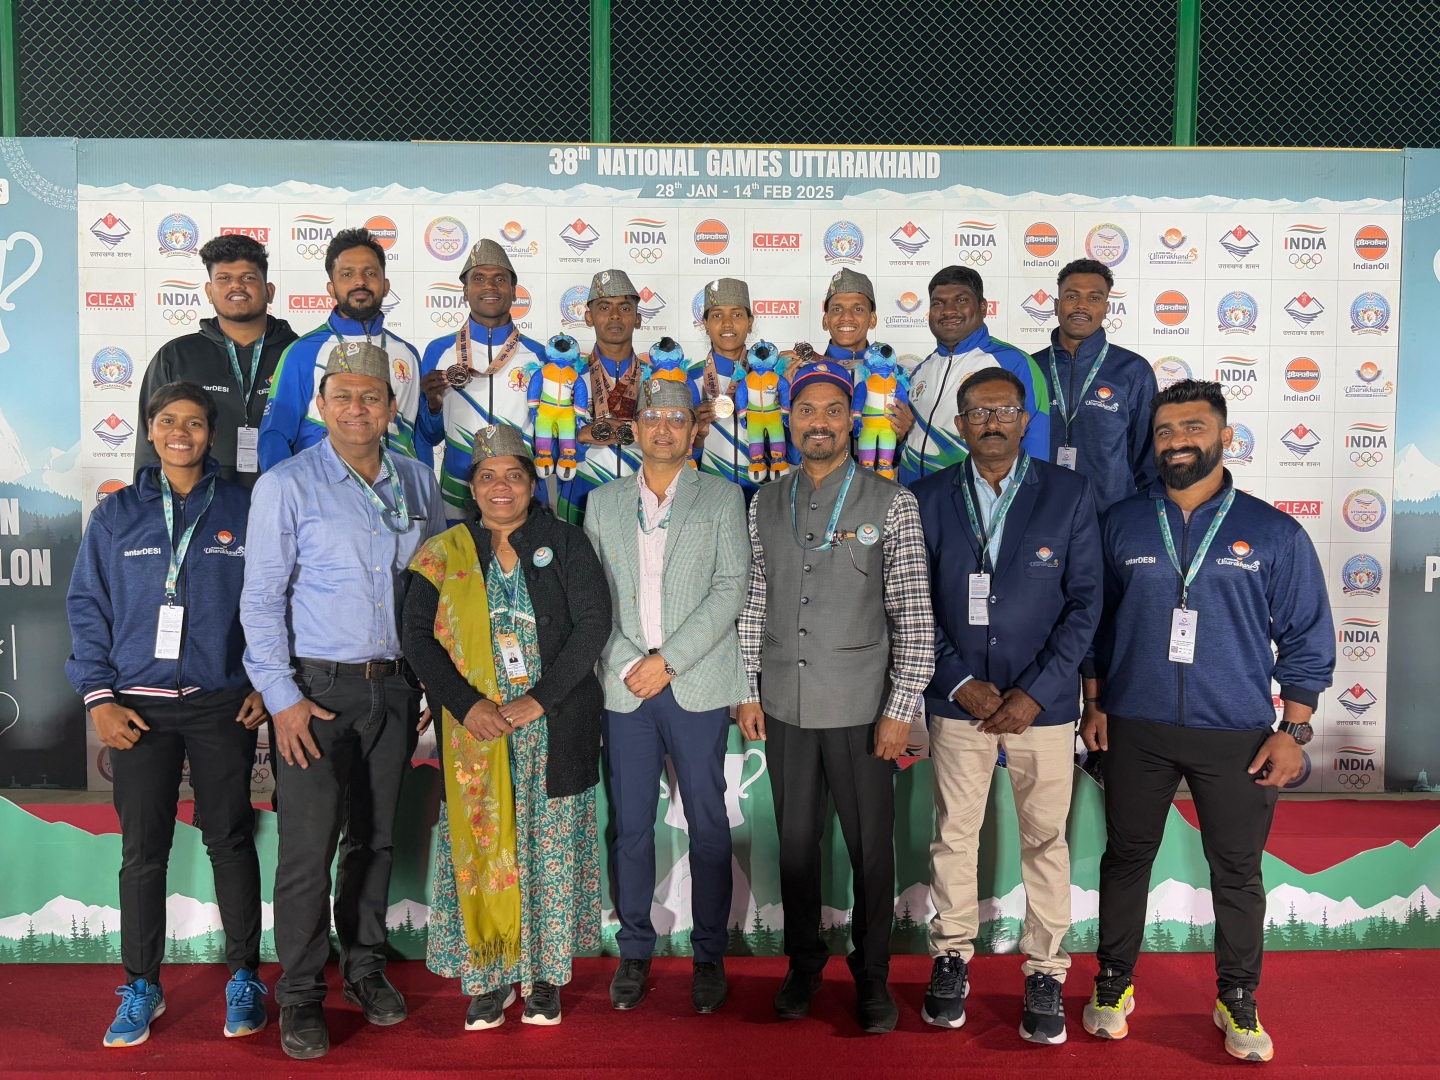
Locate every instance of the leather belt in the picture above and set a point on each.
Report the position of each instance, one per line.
(371, 669)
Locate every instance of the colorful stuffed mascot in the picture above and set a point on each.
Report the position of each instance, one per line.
(559, 402)
(880, 383)
(763, 396)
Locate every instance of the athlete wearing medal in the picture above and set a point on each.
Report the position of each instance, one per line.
(722, 442)
(1210, 596)
(1099, 392)
(838, 616)
(477, 377)
(355, 264)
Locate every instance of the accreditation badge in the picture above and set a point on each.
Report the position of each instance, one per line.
(1183, 622)
(867, 534)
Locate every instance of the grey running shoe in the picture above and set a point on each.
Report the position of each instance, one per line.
(1044, 1019)
(1237, 1014)
(1110, 1004)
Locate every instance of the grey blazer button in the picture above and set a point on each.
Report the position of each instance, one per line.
(804, 599)
(802, 631)
(807, 568)
(802, 663)
(809, 536)
(814, 506)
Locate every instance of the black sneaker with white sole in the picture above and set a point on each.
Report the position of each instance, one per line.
(488, 1010)
(543, 1005)
(1044, 1019)
(944, 1004)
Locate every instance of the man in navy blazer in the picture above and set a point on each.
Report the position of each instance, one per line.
(1016, 585)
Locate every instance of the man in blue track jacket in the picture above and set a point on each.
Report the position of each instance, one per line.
(1210, 595)
(1015, 582)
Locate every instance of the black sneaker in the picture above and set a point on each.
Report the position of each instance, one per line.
(543, 1005)
(627, 988)
(488, 1010)
(1044, 1019)
(949, 987)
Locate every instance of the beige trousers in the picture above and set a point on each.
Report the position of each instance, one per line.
(1040, 762)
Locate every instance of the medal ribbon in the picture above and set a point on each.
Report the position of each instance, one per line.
(834, 518)
(601, 385)
(1001, 508)
(178, 552)
(1199, 556)
(246, 389)
(1069, 417)
(507, 350)
(400, 516)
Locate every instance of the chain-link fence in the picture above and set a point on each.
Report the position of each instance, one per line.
(951, 72)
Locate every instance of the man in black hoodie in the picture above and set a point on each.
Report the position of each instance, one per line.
(233, 355)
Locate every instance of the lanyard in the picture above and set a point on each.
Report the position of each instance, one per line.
(177, 552)
(510, 586)
(1199, 556)
(246, 389)
(400, 515)
(834, 518)
(1001, 508)
(664, 522)
(1069, 417)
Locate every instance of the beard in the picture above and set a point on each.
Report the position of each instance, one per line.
(810, 450)
(360, 313)
(1180, 477)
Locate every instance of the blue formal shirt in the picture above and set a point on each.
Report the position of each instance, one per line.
(324, 578)
(987, 501)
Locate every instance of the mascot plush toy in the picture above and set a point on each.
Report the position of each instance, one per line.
(559, 402)
(666, 360)
(763, 397)
(880, 383)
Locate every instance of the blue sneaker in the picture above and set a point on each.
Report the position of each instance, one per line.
(244, 1011)
(140, 1003)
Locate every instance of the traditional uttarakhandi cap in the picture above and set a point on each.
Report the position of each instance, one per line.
(498, 440)
(666, 394)
(847, 281)
(487, 253)
(608, 284)
(726, 292)
(359, 358)
(822, 371)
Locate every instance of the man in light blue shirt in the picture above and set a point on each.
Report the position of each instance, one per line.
(331, 535)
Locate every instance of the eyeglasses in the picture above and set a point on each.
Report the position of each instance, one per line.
(672, 417)
(1006, 414)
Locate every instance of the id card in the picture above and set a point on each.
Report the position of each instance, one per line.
(1182, 635)
(979, 599)
(1067, 457)
(247, 449)
(514, 658)
(167, 633)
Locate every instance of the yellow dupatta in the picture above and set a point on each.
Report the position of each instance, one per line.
(479, 792)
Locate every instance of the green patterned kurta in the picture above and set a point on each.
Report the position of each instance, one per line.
(557, 841)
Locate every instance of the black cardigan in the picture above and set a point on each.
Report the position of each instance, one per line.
(572, 615)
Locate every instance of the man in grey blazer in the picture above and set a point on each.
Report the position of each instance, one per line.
(676, 553)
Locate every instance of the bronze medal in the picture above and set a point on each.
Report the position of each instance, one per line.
(457, 375)
(724, 406)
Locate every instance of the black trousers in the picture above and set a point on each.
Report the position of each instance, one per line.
(147, 789)
(1143, 768)
(355, 786)
(806, 765)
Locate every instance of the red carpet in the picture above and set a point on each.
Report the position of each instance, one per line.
(1366, 1014)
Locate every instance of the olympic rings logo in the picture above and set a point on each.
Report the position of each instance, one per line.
(974, 256)
(1306, 260)
(179, 316)
(647, 255)
(1112, 325)
(1366, 457)
(1237, 393)
(1354, 780)
(310, 251)
(1359, 652)
(259, 774)
(449, 320)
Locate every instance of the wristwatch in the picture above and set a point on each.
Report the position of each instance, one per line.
(1301, 733)
(669, 670)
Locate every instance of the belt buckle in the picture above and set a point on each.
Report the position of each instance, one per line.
(370, 669)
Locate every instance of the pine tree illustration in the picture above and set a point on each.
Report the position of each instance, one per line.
(1297, 935)
(1195, 939)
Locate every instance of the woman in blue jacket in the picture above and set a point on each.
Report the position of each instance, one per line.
(154, 608)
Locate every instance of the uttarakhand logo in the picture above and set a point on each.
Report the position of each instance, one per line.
(1304, 309)
(178, 235)
(1364, 510)
(910, 238)
(1370, 314)
(1107, 243)
(572, 306)
(1237, 312)
(1370, 385)
(110, 230)
(112, 368)
(1240, 242)
(1300, 440)
(843, 242)
(1357, 700)
(1175, 253)
(650, 305)
(512, 236)
(1241, 450)
(113, 431)
(1044, 556)
(1040, 306)
(1170, 370)
(1238, 552)
(1240, 549)
(1361, 574)
(446, 238)
(908, 302)
(579, 236)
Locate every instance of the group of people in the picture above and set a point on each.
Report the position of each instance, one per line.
(1057, 531)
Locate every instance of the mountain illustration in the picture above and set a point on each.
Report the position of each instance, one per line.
(1417, 478)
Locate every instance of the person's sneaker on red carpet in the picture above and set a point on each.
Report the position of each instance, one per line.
(244, 1011)
(303, 1031)
(708, 987)
(141, 1003)
(1044, 1018)
(1109, 1006)
(792, 1000)
(543, 1005)
(488, 1010)
(944, 1004)
(875, 1008)
(627, 988)
(381, 1003)
(1238, 1016)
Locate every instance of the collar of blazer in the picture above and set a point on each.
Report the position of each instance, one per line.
(1015, 521)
